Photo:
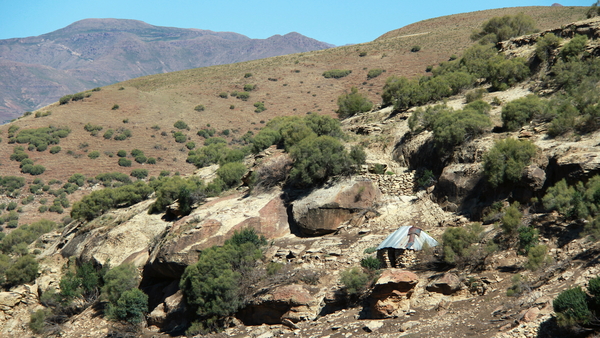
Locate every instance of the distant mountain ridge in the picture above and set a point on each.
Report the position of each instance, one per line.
(36, 71)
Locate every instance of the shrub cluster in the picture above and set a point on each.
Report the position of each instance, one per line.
(336, 73)
(451, 128)
(505, 161)
(214, 287)
(40, 138)
(451, 77)
(100, 201)
(350, 104)
(457, 243)
(503, 28)
(575, 307)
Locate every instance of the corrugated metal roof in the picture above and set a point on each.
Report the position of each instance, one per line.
(402, 239)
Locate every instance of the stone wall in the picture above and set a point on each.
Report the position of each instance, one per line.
(398, 184)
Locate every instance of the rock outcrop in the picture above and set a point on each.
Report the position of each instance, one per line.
(391, 293)
(211, 224)
(289, 302)
(325, 209)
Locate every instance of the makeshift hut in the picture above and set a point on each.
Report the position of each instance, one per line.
(397, 250)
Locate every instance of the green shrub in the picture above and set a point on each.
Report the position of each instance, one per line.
(213, 286)
(571, 307)
(457, 242)
(520, 111)
(354, 280)
(370, 263)
(574, 48)
(249, 87)
(121, 153)
(503, 28)
(353, 103)
(511, 219)
(415, 48)
(108, 134)
(100, 201)
(244, 96)
(131, 306)
(55, 150)
(65, 99)
(336, 73)
(528, 238)
(123, 162)
(232, 173)
(118, 280)
(546, 45)
(37, 320)
(115, 107)
(181, 125)
(373, 73)
(139, 173)
(141, 159)
(537, 257)
(507, 159)
(223, 95)
(318, 158)
(260, 107)
(24, 270)
(247, 75)
(78, 179)
(151, 160)
(94, 154)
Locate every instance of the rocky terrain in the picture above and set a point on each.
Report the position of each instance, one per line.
(317, 236)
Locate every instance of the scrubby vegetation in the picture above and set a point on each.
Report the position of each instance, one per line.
(215, 287)
(100, 201)
(353, 103)
(507, 159)
(503, 28)
(336, 73)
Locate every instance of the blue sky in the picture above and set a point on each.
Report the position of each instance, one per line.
(332, 21)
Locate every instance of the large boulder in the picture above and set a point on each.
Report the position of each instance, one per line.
(323, 210)
(289, 302)
(457, 181)
(391, 294)
(121, 236)
(446, 284)
(213, 223)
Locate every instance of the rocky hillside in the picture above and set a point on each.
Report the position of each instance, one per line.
(98, 52)
(491, 284)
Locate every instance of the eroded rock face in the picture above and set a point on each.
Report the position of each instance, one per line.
(325, 209)
(457, 181)
(391, 293)
(211, 224)
(289, 302)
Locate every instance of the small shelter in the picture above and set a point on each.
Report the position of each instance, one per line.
(393, 251)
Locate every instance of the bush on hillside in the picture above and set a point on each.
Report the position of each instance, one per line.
(214, 287)
(546, 45)
(336, 73)
(505, 161)
(24, 270)
(232, 173)
(503, 28)
(353, 103)
(131, 307)
(100, 201)
(373, 73)
(457, 242)
(571, 307)
(574, 48)
(318, 158)
(123, 162)
(355, 280)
